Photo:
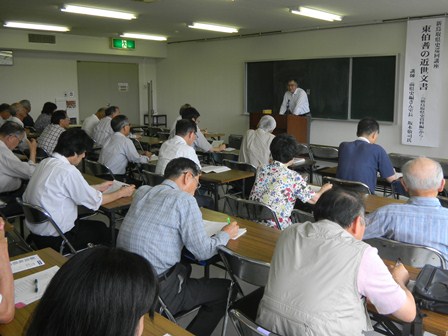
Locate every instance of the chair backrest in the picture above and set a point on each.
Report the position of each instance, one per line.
(153, 131)
(443, 201)
(41, 153)
(410, 254)
(151, 178)
(300, 216)
(235, 141)
(304, 150)
(97, 169)
(219, 157)
(244, 166)
(251, 210)
(243, 314)
(325, 152)
(137, 144)
(348, 185)
(252, 271)
(36, 215)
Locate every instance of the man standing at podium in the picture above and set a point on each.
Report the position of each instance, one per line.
(295, 100)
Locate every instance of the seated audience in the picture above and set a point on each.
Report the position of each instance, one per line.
(18, 113)
(102, 131)
(278, 186)
(321, 274)
(7, 308)
(28, 121)
(422, 220)
(255, 145)
(119, 149)
(181, 145)
(49, 137)
(44, 119)
(161, 221)
(59, 187)
(90, 122)
(201, 143)
(99, 291)
(362, 159)
(5, 113)
(179, 117)
(12, 169)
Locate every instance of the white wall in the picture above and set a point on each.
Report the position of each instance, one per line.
(43, 72)
(210, 76)
(46, 76)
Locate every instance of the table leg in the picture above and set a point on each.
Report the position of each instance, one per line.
(216, 192)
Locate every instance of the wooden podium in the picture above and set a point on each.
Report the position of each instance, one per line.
(297, 126)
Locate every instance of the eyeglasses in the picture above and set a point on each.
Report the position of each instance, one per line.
(198, 185)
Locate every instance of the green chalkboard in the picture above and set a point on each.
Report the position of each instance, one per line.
(373, 87)
(327, 83)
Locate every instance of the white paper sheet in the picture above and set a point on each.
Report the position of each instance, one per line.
(26, 290)
(213, 228)
(215, 169)
(26, 263)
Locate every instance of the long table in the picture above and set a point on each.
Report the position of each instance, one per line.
(259, 243)
(110, 209)
(158, 327)
(217, 179)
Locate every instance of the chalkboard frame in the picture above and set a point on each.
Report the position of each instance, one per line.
(274, 90)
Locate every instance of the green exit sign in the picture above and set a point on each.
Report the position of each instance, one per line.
(123, 44)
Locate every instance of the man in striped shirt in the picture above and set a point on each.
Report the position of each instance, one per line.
(422, 220)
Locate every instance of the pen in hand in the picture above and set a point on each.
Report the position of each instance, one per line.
(228, 220)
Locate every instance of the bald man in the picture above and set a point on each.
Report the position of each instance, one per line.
(422, 220)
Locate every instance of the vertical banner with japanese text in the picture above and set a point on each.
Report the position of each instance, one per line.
(422, 94)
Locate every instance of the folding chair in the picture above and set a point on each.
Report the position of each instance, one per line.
(244, 312)
(300, 216)
(99, 170)
(235, 141)
(325, 153)
(443, 201)
(411, 254)
(251, 210)
(36, 215)
(355, 186)
(219, 157)
(151, 178)
(41, 154)
(247, 183)
(254, 272)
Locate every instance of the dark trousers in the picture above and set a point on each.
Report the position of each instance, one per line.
(84, 232)
(182, 293)
(12, 208)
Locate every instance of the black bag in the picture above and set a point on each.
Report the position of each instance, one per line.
(431, 289)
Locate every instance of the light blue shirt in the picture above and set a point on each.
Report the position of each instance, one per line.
(422, 221)
(161, 221)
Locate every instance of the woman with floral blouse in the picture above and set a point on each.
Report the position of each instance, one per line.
(278, 186)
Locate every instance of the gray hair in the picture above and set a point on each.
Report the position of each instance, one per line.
(26, 104)
(267, 123)
(417, 178)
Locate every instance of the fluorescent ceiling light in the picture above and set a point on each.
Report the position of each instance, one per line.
(211, 27)
(143, 36)
(35, 26)
(98, 12)
(317, 14)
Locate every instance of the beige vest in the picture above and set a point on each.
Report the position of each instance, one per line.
(312, 287)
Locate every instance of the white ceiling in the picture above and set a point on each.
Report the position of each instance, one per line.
(170, 17)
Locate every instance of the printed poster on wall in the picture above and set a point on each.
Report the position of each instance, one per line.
(422, 110)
